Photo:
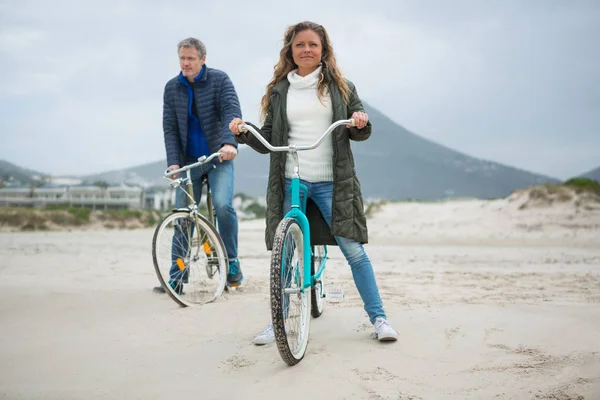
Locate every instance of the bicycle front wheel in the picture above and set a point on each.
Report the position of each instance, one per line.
(189, 258)
(290, 303)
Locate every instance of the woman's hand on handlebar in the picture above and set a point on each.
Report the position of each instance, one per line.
(234, 125)
(360, 118)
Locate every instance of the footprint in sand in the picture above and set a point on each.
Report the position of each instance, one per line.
(239, 362)
(451, 334)
(381, 384)
(561, 392)
(377, 374)
(489, 332)
(533, 361)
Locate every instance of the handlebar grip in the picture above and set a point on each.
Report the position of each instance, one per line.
(242, 128)
(352, 122)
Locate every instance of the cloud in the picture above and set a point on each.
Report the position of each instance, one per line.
(494, 80)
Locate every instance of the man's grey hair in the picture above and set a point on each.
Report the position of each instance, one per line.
(192, 43)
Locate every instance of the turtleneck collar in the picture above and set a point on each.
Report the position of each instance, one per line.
(301, 82)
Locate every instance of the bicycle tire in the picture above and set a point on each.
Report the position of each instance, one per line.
(288, 237)
(210, 259)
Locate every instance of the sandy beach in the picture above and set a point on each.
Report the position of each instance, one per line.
(492, 300)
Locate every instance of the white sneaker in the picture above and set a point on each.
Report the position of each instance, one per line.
(384, 332)
(268, 336)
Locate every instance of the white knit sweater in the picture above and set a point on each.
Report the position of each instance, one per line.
(308, 118)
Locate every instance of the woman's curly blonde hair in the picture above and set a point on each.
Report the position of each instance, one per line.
(286, 64)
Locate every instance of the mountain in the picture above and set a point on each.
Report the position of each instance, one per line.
(393, 163)
(398, 164)
(144, 175)
(15, 175)
(251, 169)
(593, 174)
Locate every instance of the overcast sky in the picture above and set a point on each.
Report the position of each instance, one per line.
(515, 82)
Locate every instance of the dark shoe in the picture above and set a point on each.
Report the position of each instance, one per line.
(177, 287)
(235, 276)
(159, 289)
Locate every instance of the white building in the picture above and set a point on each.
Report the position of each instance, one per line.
(118, 197)
(159, 199)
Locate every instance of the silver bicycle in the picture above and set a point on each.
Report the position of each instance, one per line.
(189, 256)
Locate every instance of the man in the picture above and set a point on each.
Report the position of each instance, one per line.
(197, 107)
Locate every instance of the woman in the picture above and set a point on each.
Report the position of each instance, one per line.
(308, 93)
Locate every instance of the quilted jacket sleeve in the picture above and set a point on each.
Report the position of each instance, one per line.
(171, 133)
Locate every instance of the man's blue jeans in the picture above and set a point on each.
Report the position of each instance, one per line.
(321, 193)
(220, 180)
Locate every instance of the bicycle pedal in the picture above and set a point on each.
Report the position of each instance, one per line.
(334, 295)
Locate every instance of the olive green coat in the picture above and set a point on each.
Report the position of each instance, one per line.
(348, 218)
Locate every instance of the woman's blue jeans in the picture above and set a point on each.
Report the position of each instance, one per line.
(321, 193)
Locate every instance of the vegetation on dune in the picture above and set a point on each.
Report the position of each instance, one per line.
(584, 185)
(584, 193)
(28, 219)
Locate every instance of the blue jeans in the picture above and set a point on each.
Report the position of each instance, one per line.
(220, 180)
(321, 193)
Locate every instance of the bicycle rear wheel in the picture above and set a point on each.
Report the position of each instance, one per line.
(189, 259)
(319, 255)
(290, 304)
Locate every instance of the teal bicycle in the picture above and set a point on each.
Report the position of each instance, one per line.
(297, 267)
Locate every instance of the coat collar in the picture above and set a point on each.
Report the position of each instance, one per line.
(200, 78)
(281, 88)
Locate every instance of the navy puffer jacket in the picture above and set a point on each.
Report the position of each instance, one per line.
(217, 104)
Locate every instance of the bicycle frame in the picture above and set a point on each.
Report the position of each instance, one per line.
(298, 211)
(189, 191)
(189, 187)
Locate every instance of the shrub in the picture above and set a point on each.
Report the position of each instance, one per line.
(64, 218)
(34, 225)
(584, 184)
(151, 219)
(373, 207)
(256, 209)
(80, 213)
(15, 216)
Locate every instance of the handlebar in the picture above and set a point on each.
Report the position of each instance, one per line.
(245, 128)
(201, 160)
